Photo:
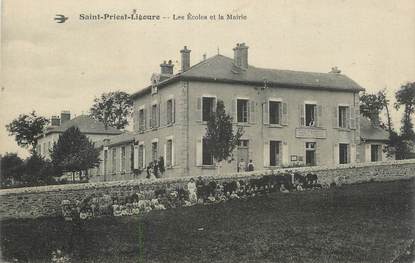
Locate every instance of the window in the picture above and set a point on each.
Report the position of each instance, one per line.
(274, 153)
(343, 153)
(141, 118)
(105, 161)
(242, 110)
(154, 151)
(169, 153)
(375, 152)
(141, 156)
(114, 160)
(207, 156)
(310, 153)
(310, 115)
(170, 111)
(208, 107)
(343, 116)
(274, 112)
(154, 116)
(122, 159)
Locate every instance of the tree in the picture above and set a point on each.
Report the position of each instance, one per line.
(372, 104)
(405, 96)
(38, 171)
(11, 169)
(112, 109)
(74, 152)
(221, 138)
(26, 128)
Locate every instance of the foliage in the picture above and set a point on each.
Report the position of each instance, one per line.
(11, 169)
(74, 152)
(405, 97)
(26, 128)
(38, 171)
(372, 104)
(112, 109)
(220, 136)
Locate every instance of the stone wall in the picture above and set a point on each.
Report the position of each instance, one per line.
(45, 201)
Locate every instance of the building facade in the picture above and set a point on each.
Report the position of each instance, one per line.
(290, 118)
(94, 130)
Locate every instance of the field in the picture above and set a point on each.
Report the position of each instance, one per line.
(369, 222)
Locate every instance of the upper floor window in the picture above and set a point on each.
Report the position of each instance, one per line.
(275, 112)
(154, 116)
(170, 111)
(310, 115)
(342, 118)
(208, 107)
(242, 110)
(141, 120)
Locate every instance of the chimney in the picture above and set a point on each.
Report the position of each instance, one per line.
(167, 68)
(55, 121)
(185, 58)
(241, 56)
(65, 116)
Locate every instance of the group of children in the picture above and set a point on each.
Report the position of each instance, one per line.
(195, 192)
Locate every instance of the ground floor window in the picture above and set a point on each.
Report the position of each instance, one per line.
(310, 153)
(169, 153)
(343, 153)
(274, 153)
(114, 160)
(154, 151)
(375, 154)
(207, 156)
(105, 161)
(141, 156)
(122, 159)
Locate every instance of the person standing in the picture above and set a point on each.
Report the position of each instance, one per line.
(250, 166)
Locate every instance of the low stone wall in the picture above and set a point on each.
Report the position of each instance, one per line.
(45, 201)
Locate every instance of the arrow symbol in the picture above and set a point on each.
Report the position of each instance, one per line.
(60, 19)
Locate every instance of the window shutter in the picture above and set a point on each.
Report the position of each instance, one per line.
(199, 152)
(301, 110)
(266, 153)
(165, 154)
(284, 113)
(199, 109)
(233, 111)
(336, 117)
(144, 156)
(172, 153)
(150, 116)
(368, 154)
(352, 153)
(158, 115)
(135, 157)
(318, 155)
(265, 114)
(319, 119)
(285, 160)
(173, 109)
(336, 154)
(352, 118)
(252, 112)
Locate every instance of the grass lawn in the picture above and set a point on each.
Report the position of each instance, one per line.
(354, 223)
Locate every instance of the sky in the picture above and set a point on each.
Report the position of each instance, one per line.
(49, 67)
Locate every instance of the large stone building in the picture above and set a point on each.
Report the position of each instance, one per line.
(290, 118)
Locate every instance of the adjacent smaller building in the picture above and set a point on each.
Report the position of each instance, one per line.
(93, 129)
(117, 159)
(373, 142)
